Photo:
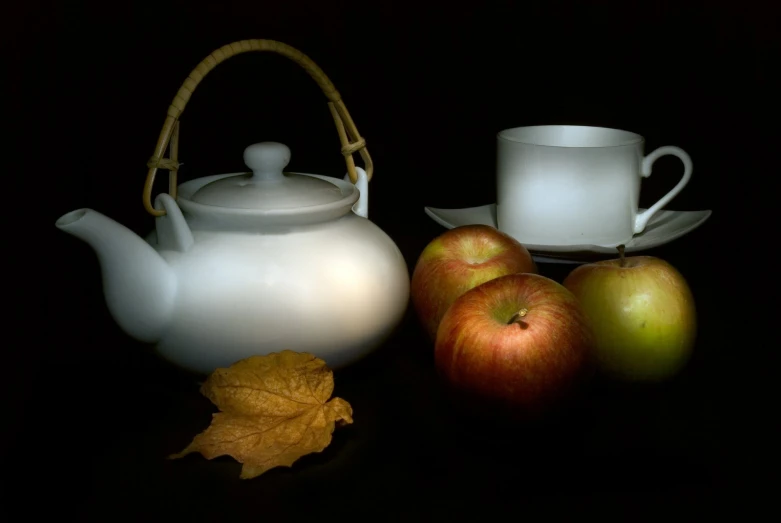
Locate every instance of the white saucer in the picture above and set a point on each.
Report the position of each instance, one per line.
(663, 227)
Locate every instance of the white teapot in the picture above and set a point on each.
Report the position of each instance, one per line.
(244, 264)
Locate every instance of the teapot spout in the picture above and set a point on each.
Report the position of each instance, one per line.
(139, 285)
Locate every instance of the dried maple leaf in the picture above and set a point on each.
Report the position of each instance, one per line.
(274, 410)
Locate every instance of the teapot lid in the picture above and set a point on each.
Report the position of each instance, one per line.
(267, 187)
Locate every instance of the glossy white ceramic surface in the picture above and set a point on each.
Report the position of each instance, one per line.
(664, 227)
(213, 285)
(267, 186)
(576, 185)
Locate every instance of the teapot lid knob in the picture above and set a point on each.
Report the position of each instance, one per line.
(268, 188)
(267, 159)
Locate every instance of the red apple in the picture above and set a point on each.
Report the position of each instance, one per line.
(642, 312)
(520, 340)
(458, 260)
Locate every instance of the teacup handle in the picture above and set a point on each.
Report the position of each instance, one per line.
(642, 218)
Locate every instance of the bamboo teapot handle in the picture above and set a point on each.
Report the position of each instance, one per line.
(349, 136)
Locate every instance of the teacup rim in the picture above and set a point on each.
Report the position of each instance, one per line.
(634, 140)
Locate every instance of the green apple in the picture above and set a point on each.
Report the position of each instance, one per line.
(458, 260)
(642, 312)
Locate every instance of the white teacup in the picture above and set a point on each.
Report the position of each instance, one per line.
(571, 185)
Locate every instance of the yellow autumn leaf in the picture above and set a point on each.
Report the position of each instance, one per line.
(274, 410)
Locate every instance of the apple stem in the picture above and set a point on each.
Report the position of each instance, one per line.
(622, 260)
(517, 317)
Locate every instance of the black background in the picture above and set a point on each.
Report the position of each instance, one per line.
(90, 415)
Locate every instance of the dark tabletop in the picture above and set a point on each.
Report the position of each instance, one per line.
(92, 415)
(102, 413)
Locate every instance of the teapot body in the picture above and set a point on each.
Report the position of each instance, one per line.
(245, 264)
(336, 289)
